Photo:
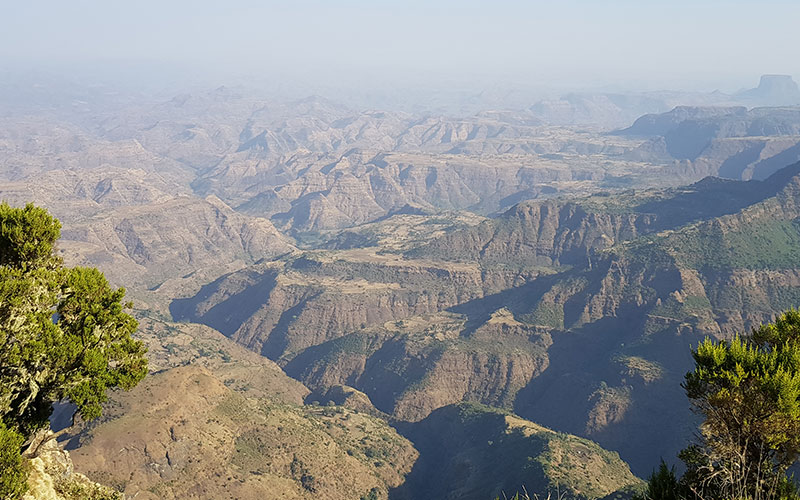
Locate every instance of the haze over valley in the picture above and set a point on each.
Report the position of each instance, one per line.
(376, 285)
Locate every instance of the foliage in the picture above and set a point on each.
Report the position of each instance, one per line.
(663, 484)
(371, 495)
(783, 331)
(13, 476)
(748, 391)
(83, 491)
(63, 331)
(764, 243)
(27, 237)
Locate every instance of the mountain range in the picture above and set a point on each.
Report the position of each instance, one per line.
(411, 305)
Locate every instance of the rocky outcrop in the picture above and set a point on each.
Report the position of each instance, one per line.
(343, 395)
(52, 476)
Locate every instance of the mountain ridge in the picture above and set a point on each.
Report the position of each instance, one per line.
(604, 263)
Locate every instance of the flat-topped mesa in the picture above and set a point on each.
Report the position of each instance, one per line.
(774, 90)
(780, 82)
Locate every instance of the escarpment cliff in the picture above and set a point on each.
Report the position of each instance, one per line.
(558, 233)
(406, 269)
(548, 234)
(731, 142)
(279, 311)
(410, 367)
(586, 305)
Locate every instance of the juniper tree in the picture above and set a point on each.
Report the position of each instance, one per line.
(64, 332)
(748, 391)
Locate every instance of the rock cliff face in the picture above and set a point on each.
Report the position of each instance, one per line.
(409, 374)
(573, 313)
(729, 142)
(51, 476)
(544, 234)
(279, 310)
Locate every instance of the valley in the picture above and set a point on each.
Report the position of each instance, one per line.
(334, 300)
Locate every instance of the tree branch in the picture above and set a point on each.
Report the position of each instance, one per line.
(37, 442)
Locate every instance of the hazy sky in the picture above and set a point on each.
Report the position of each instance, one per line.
(646, 43)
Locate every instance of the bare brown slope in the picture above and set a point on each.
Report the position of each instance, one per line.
(183, 434)
(217, 421)
(147, 244)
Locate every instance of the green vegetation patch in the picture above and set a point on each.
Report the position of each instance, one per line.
(784, 297)
(546, 314)
(762, 244)
(636, 366)
(679, 308)
(581, 467)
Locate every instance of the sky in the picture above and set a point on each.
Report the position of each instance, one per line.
(698, 44)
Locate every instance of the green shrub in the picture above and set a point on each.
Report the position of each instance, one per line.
(663, 484)
(13, 473)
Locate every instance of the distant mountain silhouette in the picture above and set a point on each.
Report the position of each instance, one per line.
(772, 90)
